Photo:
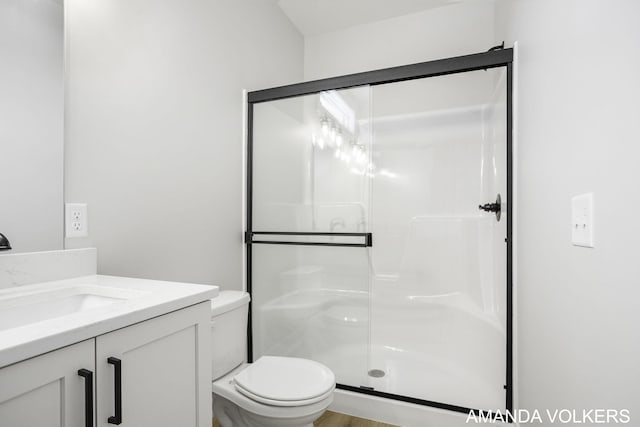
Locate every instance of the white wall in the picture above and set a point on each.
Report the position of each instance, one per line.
(31, 119)
(456, 29)
(578, 110)
(155, 128)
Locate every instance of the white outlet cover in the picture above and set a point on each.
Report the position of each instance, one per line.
(76, 221)
(582, 220)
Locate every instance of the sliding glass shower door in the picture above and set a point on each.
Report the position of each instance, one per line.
(378, 237)
(438, 264)
(310, 267)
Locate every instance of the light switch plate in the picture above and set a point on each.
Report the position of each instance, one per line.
(582, 220)
(76, 221)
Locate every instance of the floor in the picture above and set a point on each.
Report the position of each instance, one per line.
(334, 419)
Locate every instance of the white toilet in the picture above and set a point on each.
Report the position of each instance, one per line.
(272, 391)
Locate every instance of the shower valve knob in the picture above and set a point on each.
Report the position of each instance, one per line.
(494, 207)
(490, 207)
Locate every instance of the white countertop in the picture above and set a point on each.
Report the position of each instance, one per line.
(147, 299)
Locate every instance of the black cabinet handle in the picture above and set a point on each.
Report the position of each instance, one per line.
(117, 385)
(88, 396)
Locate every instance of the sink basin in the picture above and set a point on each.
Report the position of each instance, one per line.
(20, 309)
(41, 317)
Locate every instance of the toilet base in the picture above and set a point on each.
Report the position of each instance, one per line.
(231, 415)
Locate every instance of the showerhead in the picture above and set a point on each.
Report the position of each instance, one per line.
(4, 243)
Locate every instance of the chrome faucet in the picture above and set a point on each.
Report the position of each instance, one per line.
(4, 243)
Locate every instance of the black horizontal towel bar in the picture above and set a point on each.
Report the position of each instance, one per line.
(249, 235)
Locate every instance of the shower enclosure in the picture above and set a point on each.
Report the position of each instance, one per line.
(379, 229)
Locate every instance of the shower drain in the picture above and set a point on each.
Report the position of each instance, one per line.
(376, 373)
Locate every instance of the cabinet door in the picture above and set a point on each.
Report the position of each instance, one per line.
(47, 391)
(165, 371)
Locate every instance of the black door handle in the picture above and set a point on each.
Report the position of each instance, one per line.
(88, 396)
(495, 207)
(117, 386)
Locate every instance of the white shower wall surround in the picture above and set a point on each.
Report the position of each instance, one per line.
(422, 313)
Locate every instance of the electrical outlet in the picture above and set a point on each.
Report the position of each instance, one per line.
(76, 220)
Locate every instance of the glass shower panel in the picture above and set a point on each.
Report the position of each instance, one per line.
(438, 262)
(310, 277)
(313, 302)
(310, 162)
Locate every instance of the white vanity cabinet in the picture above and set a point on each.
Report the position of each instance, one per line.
(164, 365)
(46, 391)
(155, 373)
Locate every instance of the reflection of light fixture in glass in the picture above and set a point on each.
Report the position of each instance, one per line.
(332, 133)
(337, 153)
(338, 139)
(358, 154)
(336, 107)
(314, 139)
(320, 143)
(324, 126)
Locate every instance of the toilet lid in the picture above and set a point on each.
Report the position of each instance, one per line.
(279, 379)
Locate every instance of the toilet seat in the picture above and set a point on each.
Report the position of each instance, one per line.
(284, 403)
(285, 381)
(224, 387)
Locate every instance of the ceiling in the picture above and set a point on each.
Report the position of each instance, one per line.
(322, 16)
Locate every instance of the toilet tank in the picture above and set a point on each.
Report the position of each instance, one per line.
(229, 314)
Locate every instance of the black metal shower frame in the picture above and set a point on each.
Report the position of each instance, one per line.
(460, 64)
